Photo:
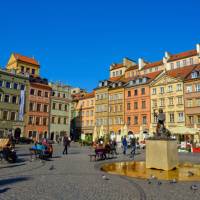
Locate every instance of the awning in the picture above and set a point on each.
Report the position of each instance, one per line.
(182, 130)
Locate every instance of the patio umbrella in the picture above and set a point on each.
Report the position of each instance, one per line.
(94, 136)
(101, 133)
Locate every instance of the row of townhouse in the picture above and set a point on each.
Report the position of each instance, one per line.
(30, 106)
(136, 90)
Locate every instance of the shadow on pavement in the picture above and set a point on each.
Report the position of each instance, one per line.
(12, 180)
(10, 166)
(4, 190)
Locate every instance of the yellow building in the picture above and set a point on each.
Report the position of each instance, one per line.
(23, 65)
(116, 107)
(167, 93)
(101, 107)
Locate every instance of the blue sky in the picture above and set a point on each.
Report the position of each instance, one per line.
(76, 41)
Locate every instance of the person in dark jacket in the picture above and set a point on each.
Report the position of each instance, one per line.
(125, 144)
(66, 142)
(133, 146)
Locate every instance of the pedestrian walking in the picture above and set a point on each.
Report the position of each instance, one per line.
(133, 146)
(66, 142)
(125, 144)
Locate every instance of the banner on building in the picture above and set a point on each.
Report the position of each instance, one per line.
(21, 105)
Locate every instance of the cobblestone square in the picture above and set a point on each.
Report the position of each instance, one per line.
(74, 177)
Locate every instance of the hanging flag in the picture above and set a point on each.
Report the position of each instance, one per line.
(21, 105)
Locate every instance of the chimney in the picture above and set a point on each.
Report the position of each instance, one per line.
(198, 48)
(167, 55)
(141, 63)
(128, 63)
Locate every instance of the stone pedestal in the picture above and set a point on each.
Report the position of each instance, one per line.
(161, 154)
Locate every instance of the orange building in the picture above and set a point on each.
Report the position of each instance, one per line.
(37, 121)
(137, 103)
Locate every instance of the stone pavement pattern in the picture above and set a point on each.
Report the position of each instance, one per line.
(73, 177)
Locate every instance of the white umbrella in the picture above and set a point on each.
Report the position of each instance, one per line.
(94, 136)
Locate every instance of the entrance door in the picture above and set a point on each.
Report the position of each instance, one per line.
(17, 133)
(52, 135)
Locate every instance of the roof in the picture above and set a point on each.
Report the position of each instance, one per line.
(114, 79)
(25, 59)
(196, 68)
(116, 66)
(89, 95)
(183, 55)
(132, 68)
(154, 64)
(153, 75)
(181, 72)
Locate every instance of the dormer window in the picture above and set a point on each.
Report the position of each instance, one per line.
(106, 83)
(113, 85)
(194, 74)
(100, 84)
(113, 73)
(120, 84)
(132, 82)
(137, 81)
(144, 80)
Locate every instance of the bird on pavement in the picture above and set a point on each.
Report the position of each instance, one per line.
(159, 183)
(194, 187)
(173, 181)
(51, 168)
(104, 177)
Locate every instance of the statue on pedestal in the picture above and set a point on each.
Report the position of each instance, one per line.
(161, 131)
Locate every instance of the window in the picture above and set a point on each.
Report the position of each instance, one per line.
(135, 92)
(28, 70)
(197, 102)
(53, 120)
(53, 94)
(14, 99)
(191, 119)
(5, 115)
(30, 106)
(44, 121)
(198, 119)
(135, 105)
(171, 117)
(1, 83)
(22, 87)
(117, 73)
(66, 107)
(161, 90)
(60, 106)
(59, 120)
(58, 94)
(189, 88)
(54, 106)
(65, 120)
(171, 101)
(184, 62)
(162, 102)
(63, 95)
(194, 75)
(136, 120)
(144, 120)
(39, 93)
(22, 69)
(191, 61)
(38, 107)
(6, 98)
(154, 91)
(180, 100)
(7, 84)
(120, 72)
(128, 106)
(129, 93)
(143, 91)
(0, 96)
(30, 134)
(143, 104)
(172, 65)
(180, 117)
(178, 64)
(46, 94)
(197, 87)
(128, 120)
(189, 103)
(113, 73)
(179, 87)
(45, 108)
(32, 91)
(12, 116)
(15, 86)
(30, 120)
(154, 103)
(37, 121)
(170, 88)
(33, 71)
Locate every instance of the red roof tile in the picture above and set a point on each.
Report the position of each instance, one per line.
(152, 75)
(89, 95)
(154, 64)
(183, 55)
(180, 72)
(117, 66)
(25, 59)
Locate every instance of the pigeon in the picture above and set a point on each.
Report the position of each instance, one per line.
(51, 168)
(159, 183)
(153, 177)
(149, 181)
(104, 177)
(173, 181)
(194, 187)
(190, 173)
